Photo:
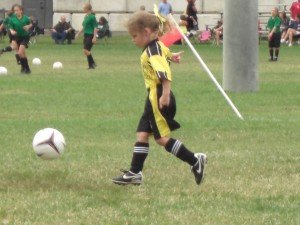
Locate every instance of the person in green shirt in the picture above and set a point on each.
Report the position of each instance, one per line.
(19, 27)
(274, 34)
(89, 28)
(6, 25)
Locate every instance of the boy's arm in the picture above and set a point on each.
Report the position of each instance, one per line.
(164, 100)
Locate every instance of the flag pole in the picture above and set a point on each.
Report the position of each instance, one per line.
(207, 70)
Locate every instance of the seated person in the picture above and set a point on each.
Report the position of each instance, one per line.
(183, 24)
(35, 29)
(62, 31)
(218, 31)
(293, 31)
(285, 23)
(103, 28)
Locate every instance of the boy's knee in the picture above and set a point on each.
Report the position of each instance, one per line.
(142, 137)
(162, 141)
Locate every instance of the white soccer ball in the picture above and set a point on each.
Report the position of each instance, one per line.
(48, 143)
(3, 70)
(57, 65)
(36, 61)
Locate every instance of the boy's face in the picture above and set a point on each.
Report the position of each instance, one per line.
(140, 38)
(273, 12)
(17, 11)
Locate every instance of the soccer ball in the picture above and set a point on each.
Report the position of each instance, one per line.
(3, 70)
(48, 143)
(36, 61)
(57, 65)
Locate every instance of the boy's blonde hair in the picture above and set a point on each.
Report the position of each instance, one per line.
(141, 20)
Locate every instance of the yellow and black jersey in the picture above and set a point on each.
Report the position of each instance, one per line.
(156, 69)
(155, 64)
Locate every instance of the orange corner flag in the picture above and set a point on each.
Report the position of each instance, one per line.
(171, 37)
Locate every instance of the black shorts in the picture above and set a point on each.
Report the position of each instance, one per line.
(22, 41)
(275, 40)
(159, 122)
(88, 41)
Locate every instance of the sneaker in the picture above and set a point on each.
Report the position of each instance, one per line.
(275, 59)
(128, 177)
(282, 41)
(290, 44)
(198, 168)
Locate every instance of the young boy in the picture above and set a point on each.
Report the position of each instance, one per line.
(160, 108)
(274, 35)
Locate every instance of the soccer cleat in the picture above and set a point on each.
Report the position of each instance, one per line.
(198, 168)
(128, 178)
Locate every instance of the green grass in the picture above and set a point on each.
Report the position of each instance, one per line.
(253, 173)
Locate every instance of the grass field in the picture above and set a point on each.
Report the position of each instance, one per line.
(253, 172)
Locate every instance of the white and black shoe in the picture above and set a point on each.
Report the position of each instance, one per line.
(128, 177)
(198, 168)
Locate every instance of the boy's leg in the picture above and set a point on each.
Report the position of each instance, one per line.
(24, 62)
(196, 161)
(140, 153)
(6, 49)
(271, 52)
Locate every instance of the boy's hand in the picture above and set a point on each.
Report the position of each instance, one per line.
(13, 32)
(164, 100)
(176, 57)
(27, 27)
(270, 36)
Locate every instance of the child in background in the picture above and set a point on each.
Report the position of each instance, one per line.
(19, 26)
(274, 35)
(160, 107)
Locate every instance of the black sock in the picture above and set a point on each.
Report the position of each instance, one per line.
(26, 66)
(140, 154)
(271, 53)
(180, 151)
(22, 62)
(276, 53)
(7, 49)
(90, 60)
(18, 58)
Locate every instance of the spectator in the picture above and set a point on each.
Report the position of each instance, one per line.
(164, 8)
(293, 31)
(192, 18)
(295, 9)
(35, 29)
(218, 31)
(61, 30)
(103, 28)
(285, 22)
(183, 24)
